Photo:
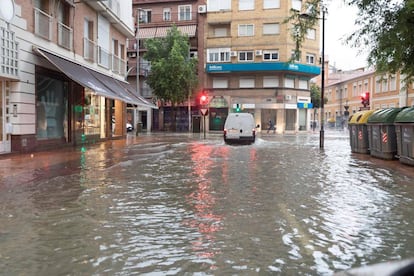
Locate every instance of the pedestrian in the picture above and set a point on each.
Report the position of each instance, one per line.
(271, 127)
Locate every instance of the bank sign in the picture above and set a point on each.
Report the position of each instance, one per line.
(262, 66)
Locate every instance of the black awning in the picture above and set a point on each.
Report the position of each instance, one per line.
(101, 84)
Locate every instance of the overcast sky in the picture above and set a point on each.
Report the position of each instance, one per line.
(339, 24)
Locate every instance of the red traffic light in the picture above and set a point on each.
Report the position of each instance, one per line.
(365, 99)
(203, 99)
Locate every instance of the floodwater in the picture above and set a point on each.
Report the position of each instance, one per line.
(178, 204)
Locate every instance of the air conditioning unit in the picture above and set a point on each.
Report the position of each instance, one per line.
(233, 53)
(132, 54)
(258, 52)
(202, 9)
(288, 97)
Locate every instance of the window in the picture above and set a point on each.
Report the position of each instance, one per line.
(310, 59)
(218, 5)
(393, 83)
(166, 14)
(246, 5)
(297, 5)
(270, 81)
(303, 84)
(184, 12)
(144, 16)
(220, 83)
(246, 82)
(218, 55)
(220, 32)
(384, 85)
(246, 56)
(246, 30)
(289, 82)
(295, 56)
(271, 55)
(311, 34)
(271, 28)
(271, 4)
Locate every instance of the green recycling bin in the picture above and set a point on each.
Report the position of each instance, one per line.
(381, 133)
(404, 128)
(358, 131)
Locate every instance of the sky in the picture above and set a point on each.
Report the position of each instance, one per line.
(338, 25)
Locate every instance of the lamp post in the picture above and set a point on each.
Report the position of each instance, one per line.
(322, 131)
(137, 48)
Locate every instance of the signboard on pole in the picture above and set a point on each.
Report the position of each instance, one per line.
(204, 111)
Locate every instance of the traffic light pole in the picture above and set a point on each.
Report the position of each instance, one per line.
(204, 126)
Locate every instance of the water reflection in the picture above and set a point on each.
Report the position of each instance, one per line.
(179, 204)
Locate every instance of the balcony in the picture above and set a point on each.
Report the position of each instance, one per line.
(9, 60)
(43, 24)
(65, 36)
(89, 50)
(104, 58)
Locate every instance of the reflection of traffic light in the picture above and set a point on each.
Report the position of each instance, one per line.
(365, 99)
(238, 108)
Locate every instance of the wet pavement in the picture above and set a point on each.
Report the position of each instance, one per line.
(167, 204)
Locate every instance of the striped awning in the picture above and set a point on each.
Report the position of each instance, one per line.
(145, 33)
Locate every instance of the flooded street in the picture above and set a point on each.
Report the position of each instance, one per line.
(167, 204)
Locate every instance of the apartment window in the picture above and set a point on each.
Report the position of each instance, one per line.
(271, 4)
(246, 30)
(393, 83)
(310, 59)
(184, 12)
(271, 28)
(246, 56)
(218, 55)
(166, 14)
(220, 83)
(270, 81)
(245, 5)
(303, 84)
(384, 85)
(378, 84)
(219, 5)
(270, 55)
(88, 41)
(144, 16)
(297, 5)
(289, 82)
(220, 32)
(311, 34)
(246, 82)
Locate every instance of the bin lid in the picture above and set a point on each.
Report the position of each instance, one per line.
(360, 117)
(405, 116)
(386, 115)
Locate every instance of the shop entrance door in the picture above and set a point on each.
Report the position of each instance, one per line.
(4, 141)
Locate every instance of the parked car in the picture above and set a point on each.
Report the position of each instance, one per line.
(240, 128)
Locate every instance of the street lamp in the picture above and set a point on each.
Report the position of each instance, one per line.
(322, 113)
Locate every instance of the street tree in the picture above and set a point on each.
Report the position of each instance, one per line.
(173, 74)
(385, 29)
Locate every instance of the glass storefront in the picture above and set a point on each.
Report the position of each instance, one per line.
(51, 108)
(94, 114)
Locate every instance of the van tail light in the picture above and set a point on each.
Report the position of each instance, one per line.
(225, 132)
(254, 132)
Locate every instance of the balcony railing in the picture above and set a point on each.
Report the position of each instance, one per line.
(118, 65)
(89, 49)
(103, 58)
(9, 49)
(43, 24)
(65, 36)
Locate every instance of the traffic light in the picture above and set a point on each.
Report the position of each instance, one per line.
(365, 99)
(238, 108)
(203, 99)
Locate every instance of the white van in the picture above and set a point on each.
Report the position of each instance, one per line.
(239, 128)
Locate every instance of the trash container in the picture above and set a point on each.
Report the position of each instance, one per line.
(404, 128)
(381, 133)
(358, 132)
(139, 128)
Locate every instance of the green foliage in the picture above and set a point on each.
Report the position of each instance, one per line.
(315, 92)
(386, 28)
(173, 73)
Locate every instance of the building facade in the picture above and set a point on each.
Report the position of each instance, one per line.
(153, 18)
(62, 79)
(344, 90)
(249, 52)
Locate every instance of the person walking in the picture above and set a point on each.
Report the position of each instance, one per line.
(271, 127)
